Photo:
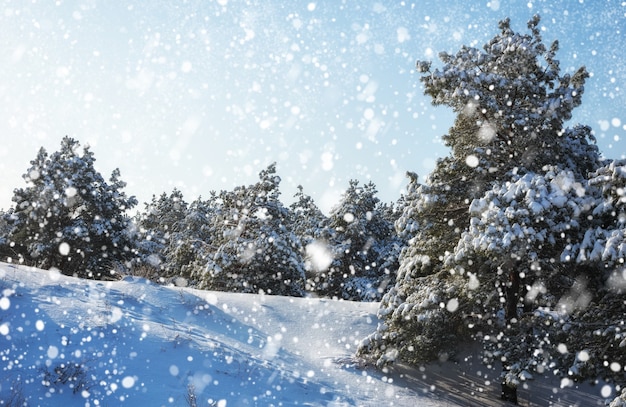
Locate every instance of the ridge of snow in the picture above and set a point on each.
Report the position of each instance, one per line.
(75, 342)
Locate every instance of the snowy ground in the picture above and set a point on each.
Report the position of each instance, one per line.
(71, 342)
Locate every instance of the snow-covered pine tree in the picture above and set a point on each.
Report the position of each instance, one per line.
(600, 324)
(604, 244)
(160, 221)
(6, 251)
(511, 102)
(388, 248)
(405, 224)
(193, 241)
(305, 217)
(307, 221)
(256, 249)
(69, 217)
(360, 235)
(517, 234)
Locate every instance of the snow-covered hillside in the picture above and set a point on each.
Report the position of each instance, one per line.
(73, 342)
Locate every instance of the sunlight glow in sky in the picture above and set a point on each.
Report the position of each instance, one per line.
(203, 95)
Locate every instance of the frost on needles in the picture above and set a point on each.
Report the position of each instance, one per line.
(517, 237)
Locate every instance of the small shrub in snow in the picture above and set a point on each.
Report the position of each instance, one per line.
(71, 374)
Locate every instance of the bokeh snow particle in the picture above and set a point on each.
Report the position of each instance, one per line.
(174, 370)
(452, 305)
(487, 132)
(403, 34)
(566, 382)
(64, 249)
(472, 161)
(327, 161)
(494, 5)
(319, 255)
(54, 274)
(583, 356)
(186, 67)
(473, 282)
(71, 192)
(128, 382)
(53, 352)
(5, 303)
(606, 391)
(34, 175)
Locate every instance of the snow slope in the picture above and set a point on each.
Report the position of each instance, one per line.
(72, 342)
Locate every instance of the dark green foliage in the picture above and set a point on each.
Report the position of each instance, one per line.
(69, 217)
(359, 236)
(7, 252)
(245, 240)
(306, 218)
(511, 240)
(159, 226)
(514, 95)
(251, 247)
(193, 241)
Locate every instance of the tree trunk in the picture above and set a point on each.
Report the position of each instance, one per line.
(512, 296)
(509, 390)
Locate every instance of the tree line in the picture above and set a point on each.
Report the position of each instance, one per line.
(245, 240)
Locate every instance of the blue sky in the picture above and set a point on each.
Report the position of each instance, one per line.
(203, 95)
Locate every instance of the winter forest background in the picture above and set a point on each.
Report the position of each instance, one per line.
(515, 240)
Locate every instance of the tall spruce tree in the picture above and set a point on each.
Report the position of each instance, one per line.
(511, 102)
(69, 217)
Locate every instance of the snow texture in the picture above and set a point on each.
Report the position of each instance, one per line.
(73, 342)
